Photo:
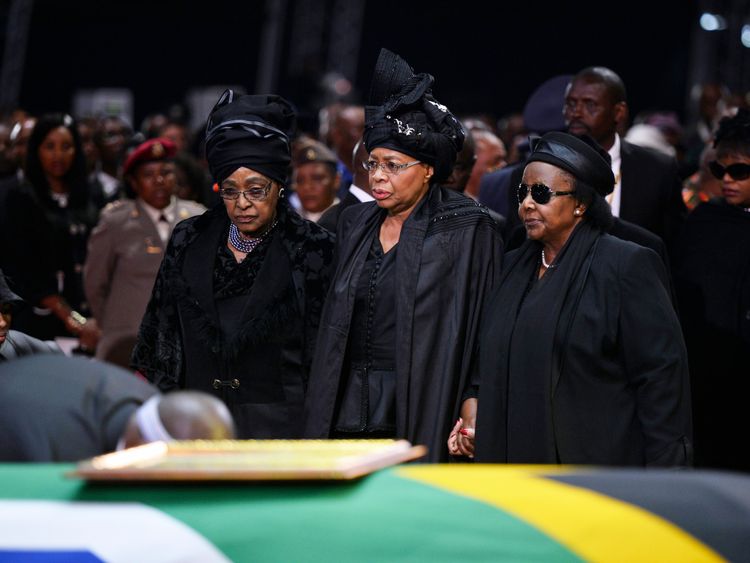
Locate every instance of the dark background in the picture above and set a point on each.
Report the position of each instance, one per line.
(486, 57)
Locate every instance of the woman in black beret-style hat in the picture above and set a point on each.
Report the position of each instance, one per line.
(413, 269)
(235, 307)
(580, 358)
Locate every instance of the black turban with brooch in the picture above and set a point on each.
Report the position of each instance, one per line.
(402, 115)
(251, 131)
(580, 156)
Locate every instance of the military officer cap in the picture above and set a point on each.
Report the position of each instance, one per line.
(309, 150)
(150, 151)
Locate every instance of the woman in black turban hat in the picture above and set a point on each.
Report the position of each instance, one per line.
(413, 269)
(235, 307)
(580, 357)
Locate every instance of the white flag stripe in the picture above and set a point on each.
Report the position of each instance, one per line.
(114, 532)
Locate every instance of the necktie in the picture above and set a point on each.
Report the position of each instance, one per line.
(163, 227)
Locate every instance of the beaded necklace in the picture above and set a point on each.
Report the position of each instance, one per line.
(544, 262)
(243, 244)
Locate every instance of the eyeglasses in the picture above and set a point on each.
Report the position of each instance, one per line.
(388, 167)
(253, 193)
(540, 193)
(737, 171)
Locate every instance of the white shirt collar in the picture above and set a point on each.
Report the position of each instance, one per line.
(360, 194)
(614, 151)
(154, 213)
(615, 197)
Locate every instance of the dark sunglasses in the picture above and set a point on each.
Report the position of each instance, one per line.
(540, 193)
(737, 171)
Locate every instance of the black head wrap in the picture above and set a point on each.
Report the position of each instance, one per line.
(582, 157)
(250, 131)
(404, 116)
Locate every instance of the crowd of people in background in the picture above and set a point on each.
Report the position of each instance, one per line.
(108, 235)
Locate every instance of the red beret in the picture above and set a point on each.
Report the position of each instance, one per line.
(151, 150)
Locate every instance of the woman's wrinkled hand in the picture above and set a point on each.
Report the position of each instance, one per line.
(461, 440)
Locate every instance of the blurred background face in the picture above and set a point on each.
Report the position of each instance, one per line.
(490, 156)
(177, 134)
(735, 192)
(112, 136)
(316, 185)
(463, 168)
(56, 153)
(86, 132)
(154, 182)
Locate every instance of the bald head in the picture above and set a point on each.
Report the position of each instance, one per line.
(184, 415)
(611, 81)
(346, 129)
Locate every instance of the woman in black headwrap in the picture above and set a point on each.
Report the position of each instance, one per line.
(413, 269)
(581, 358)
(236, 304)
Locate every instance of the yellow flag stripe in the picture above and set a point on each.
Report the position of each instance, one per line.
(592, 525)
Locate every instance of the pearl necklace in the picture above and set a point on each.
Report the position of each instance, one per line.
(246, 245)
(544, 262)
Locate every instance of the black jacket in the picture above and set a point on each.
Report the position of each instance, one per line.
(651, 192)
(260, 371)
(618, 383)
(712, 276)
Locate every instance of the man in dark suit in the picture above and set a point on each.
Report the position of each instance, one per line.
(497, 190)
(358, 192)
(647, 187)
(55, 408)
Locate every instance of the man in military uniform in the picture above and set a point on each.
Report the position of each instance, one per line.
(126, 247)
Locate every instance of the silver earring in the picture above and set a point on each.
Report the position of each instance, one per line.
(281, 192)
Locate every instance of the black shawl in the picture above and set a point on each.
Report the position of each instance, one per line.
(526, 309)
(449, 255)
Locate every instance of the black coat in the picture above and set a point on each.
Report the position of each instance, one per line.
(618, 390)
(449, 255)
(46, 253)
(712, 276)
(261, 370)
(651, 195)
(330, 219)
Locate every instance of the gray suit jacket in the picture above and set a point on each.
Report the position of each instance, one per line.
(17, 344)
(55, 408)
(124, 255)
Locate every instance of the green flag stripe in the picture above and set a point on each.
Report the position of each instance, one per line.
(379, 518)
